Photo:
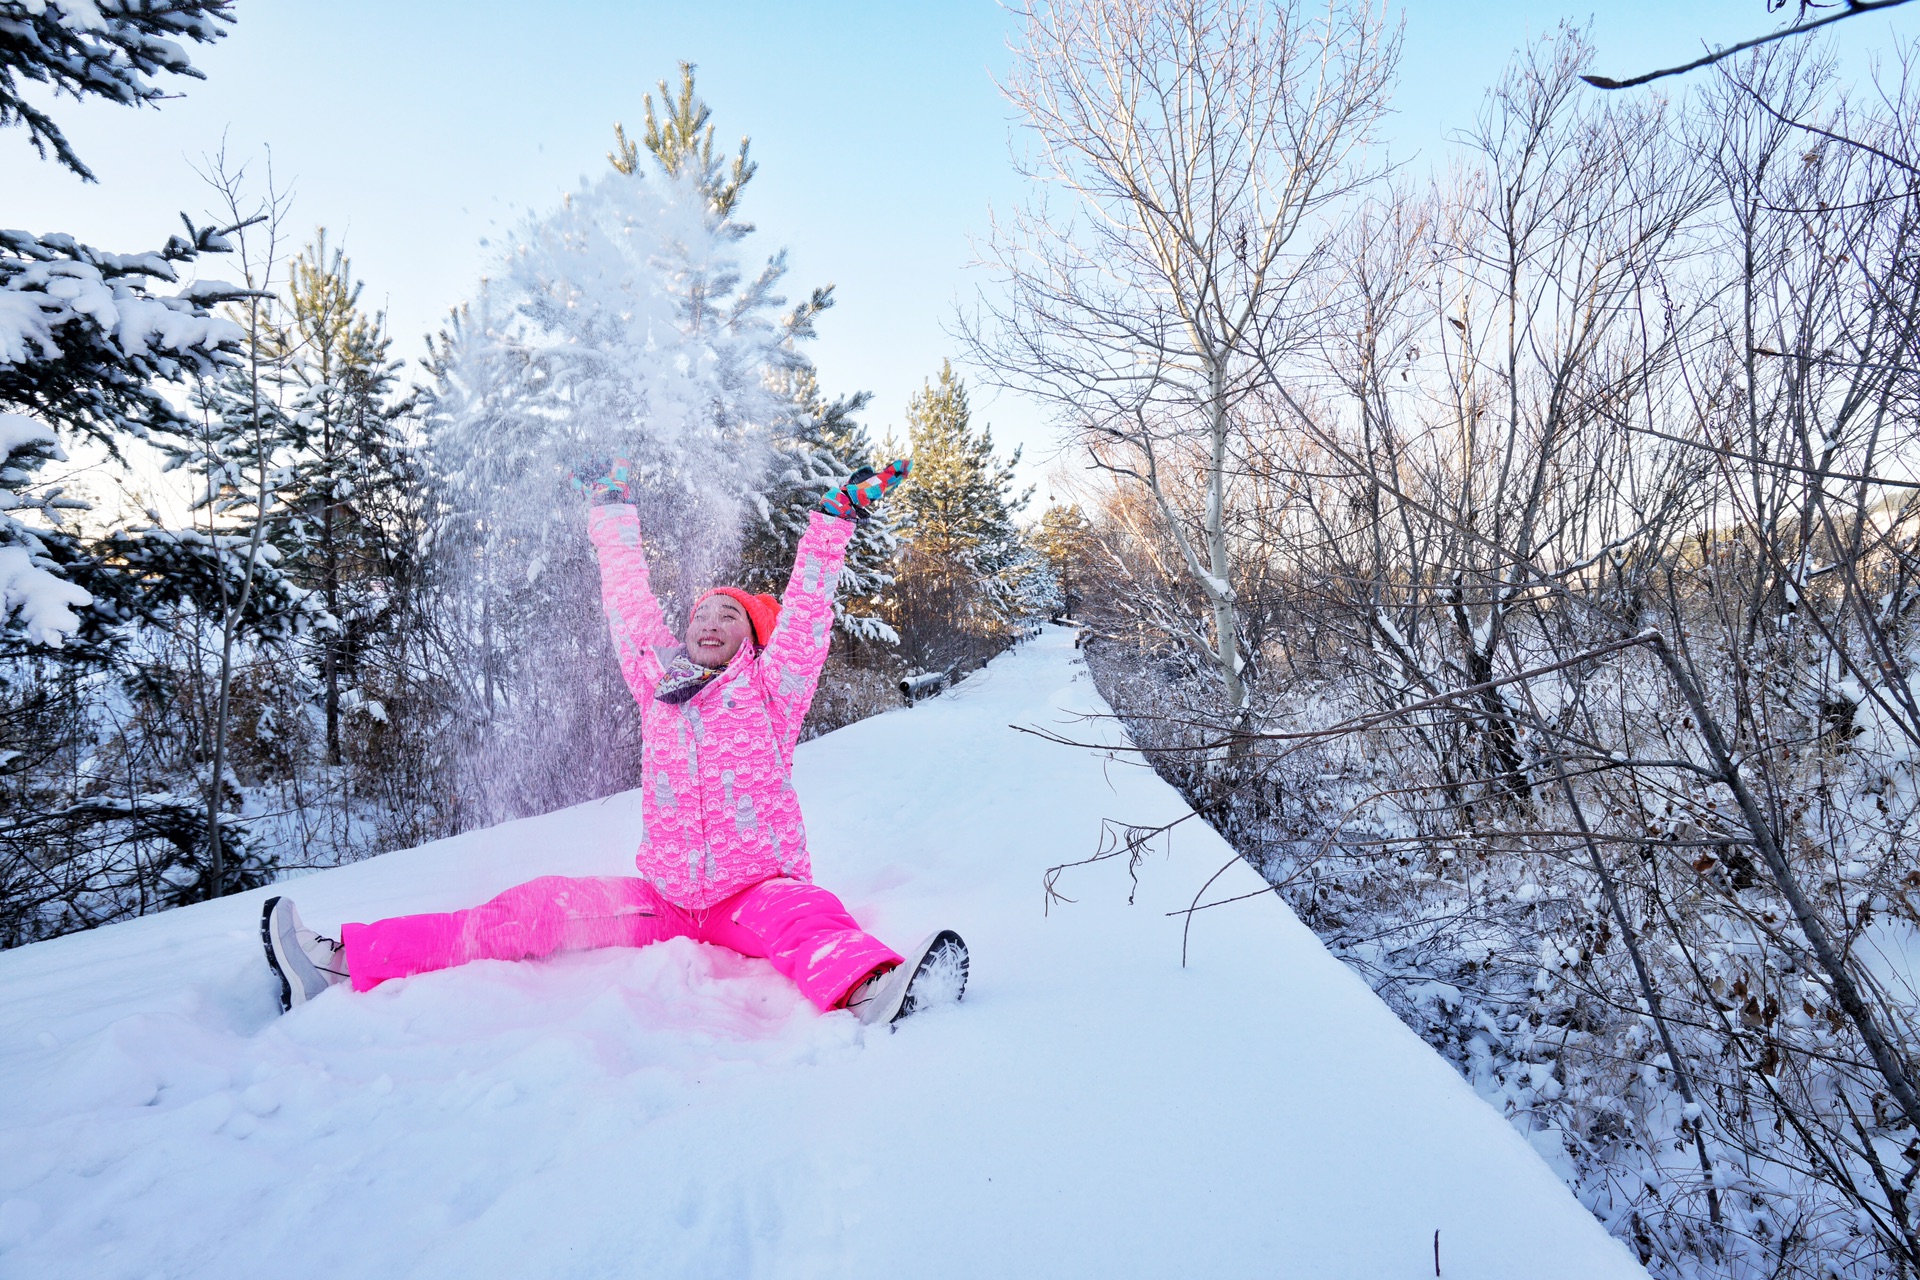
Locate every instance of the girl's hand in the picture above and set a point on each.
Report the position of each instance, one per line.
(855, 499)
(614, 486)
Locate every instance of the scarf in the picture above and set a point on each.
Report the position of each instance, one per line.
(684, 678)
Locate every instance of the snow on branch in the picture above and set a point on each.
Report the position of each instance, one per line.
(37, 600)
(81, 334)
(100, 48)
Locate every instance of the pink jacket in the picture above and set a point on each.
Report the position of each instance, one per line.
(717, 800)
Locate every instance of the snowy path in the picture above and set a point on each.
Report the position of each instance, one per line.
(1092, 1109)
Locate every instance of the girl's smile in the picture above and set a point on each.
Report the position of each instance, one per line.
(717, 630)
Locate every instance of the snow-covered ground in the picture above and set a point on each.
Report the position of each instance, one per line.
(1092, 1109)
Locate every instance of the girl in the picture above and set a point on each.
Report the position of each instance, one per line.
(723, 854)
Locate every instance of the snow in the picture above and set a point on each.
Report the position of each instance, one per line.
(18, 432)
(623, 323)
(1092, 1108)
(41, 297)
(44, 603)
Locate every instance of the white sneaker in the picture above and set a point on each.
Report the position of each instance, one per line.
(935, 972)
(305, 962)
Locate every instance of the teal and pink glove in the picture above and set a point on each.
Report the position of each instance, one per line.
(854, 500)
(611, 487)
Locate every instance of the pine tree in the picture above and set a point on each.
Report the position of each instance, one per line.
(819, 443)
(966, 573)
(83, 343)
(86, 335)
(823, 446)
(87, 341)
(96, 50)
(1065, 540)
(343, 451)
(680, 140)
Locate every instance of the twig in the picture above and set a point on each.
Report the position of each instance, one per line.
(1828, 134)
(1115, 839)
(1853, 10)
(1186, 930)
(1727, 451)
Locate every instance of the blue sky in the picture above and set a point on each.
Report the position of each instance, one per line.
(416, 130)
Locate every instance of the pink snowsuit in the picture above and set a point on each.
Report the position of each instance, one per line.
(723, 855)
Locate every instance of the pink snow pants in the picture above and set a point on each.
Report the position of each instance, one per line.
(800, 928)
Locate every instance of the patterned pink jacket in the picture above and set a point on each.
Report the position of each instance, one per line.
(717, 800)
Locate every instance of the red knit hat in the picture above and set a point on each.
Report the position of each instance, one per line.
(762, 611)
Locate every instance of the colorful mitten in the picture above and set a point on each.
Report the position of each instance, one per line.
(611, 487)
(854, 499)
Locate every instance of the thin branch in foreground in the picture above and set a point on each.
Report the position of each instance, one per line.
(1778, 464)
(1116, 838)
(1186, 929)
(1853, 10)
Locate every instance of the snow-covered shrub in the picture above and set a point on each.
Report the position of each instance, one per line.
(1580, 605)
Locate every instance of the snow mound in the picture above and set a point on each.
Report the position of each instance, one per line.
(1092, 1108)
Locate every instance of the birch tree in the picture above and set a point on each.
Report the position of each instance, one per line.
(1201, 152)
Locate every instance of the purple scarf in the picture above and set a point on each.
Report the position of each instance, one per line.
(684, 678)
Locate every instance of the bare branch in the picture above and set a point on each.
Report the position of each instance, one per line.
(1854, 9)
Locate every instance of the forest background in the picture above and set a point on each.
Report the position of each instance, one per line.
(1514, 556)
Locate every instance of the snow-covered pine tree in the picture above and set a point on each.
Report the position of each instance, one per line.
(623, 323)
(85, 334)
(822, 446)
(819, 443)
(84, 339)
(87, 337)
(107, 49)
(343, 453)
(1036, 593)
(479, 438)
(965, 573)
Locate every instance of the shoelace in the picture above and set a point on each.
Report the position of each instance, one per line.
(869, 987)
(335, 948)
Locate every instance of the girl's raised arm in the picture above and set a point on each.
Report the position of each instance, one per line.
(634, 619)
(797, 649)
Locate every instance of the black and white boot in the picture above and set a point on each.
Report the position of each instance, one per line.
(935, 972)
(305, 962)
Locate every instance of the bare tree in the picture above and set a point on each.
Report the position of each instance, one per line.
(1204, 150)
(1593, 558)
(239, 463)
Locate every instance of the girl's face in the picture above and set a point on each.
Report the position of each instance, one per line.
(718, 629)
